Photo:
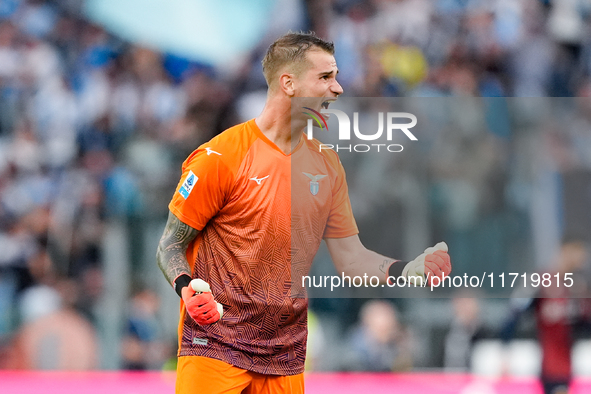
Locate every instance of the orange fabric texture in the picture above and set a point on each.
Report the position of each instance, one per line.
(206, 375)
(262, 215)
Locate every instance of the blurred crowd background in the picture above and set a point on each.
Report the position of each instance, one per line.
(94, 128)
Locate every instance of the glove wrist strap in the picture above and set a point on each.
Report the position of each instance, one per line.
(181, 281)
(395, 269)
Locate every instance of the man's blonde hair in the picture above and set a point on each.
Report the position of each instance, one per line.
(291, 49)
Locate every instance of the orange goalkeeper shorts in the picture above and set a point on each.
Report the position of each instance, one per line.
(204, 375)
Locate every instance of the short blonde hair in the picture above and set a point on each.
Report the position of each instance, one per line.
(291, 49)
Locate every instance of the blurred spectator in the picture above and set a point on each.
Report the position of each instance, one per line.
(54, 336)
(378, 342)
(143, 345)
(465, 330)
(559, 311)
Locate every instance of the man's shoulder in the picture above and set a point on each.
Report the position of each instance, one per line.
(229, 146)
(233, 136)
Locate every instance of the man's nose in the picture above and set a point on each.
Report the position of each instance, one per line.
(336, 88)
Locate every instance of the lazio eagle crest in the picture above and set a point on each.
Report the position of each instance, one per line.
(314, 185)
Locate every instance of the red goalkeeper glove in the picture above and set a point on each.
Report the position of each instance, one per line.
(200, 304)
(433, 262)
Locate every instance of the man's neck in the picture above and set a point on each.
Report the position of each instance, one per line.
(275, 123)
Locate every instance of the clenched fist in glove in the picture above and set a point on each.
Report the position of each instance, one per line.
(200, 304)
(434, 261)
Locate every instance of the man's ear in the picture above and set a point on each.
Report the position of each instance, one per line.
(287, 84)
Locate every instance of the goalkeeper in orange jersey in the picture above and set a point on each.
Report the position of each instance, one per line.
(240, 219)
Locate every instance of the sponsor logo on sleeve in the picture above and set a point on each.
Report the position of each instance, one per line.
(188, 185)
(211, 151)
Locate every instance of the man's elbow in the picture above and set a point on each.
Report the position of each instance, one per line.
(159, 256)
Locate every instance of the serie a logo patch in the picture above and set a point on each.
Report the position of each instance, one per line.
(188, 185)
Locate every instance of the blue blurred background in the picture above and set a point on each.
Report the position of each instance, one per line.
(101, 101)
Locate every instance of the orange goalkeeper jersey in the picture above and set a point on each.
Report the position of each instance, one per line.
(262, 215)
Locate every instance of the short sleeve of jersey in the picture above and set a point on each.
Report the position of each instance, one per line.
(341, 222)
(202, 189)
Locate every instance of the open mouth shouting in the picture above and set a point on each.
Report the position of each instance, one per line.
(315, 111)
(325, 105)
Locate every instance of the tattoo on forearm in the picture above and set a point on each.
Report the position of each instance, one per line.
(182, 231)
(385, 265)
(171, 256)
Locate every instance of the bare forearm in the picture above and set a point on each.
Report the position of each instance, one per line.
(352, 258)
(370, 263)
(173, 266)
(171, 253)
